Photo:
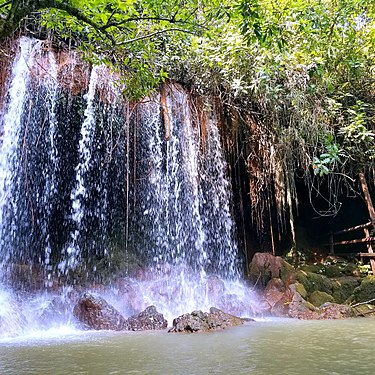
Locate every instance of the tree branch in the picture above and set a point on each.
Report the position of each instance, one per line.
(75, 12)
(120, 23)
(154, 34)
(20, 11)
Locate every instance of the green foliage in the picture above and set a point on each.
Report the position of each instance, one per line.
(326, 162)
(303, 68)
(129, 35)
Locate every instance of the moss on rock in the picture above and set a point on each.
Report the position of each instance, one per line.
(314, 282)
(301, 289)
(265, 266)
(367, 310)
(318, 298)
(366, 291)
(344, 287)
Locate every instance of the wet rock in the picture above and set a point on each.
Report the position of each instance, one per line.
(366, 310)
(149, 319)
(335, 311)
(232, 303)
(215, 288)
(130, 292)
(265, 266)
(275, 297)
(220, 319)
(95, 313)
(199, 321)
(56, 310)
(194, 322)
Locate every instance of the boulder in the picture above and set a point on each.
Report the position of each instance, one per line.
(56, 310)
(343, 288)
(265, 266)
(298, 307)
(130, 292)
(318, 298)
(315, 282)
(366, 291)
(335, 311)
(215, 288)
(199, 321)
(275, 297)
(93, 312)
(149, 319)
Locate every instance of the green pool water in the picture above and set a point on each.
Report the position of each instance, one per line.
(263, 348)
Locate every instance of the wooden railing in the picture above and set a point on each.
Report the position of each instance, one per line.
(366, 239)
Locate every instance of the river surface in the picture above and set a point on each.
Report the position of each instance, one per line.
(263, 348)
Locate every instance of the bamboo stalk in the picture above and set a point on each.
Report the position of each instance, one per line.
(349, 242)
(370, 208)
(352, 229)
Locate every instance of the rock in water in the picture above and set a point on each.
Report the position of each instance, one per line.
(199, 321)
(94, 312)
(149, 319)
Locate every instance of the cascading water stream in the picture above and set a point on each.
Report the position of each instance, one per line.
(79, 193)
(66, 190)
(11, 124)
(185, 212)
(50, 83)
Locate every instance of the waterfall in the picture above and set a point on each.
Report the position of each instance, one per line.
(184, 208)
(11, 125)
(79, 193)
(184, 194)
(96, 190)
(50, 83)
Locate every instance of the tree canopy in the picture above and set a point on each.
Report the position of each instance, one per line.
(303, 70)
(124, 33)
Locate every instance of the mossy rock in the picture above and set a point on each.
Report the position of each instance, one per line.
(366, 291)
(350, 269)
(314, 268)
(287, 272)
(333, 270)
(344, 287)
(301, 289)
(314, 282)
(318, 298)
(309, 305)
(265, 266)
(367, 310)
